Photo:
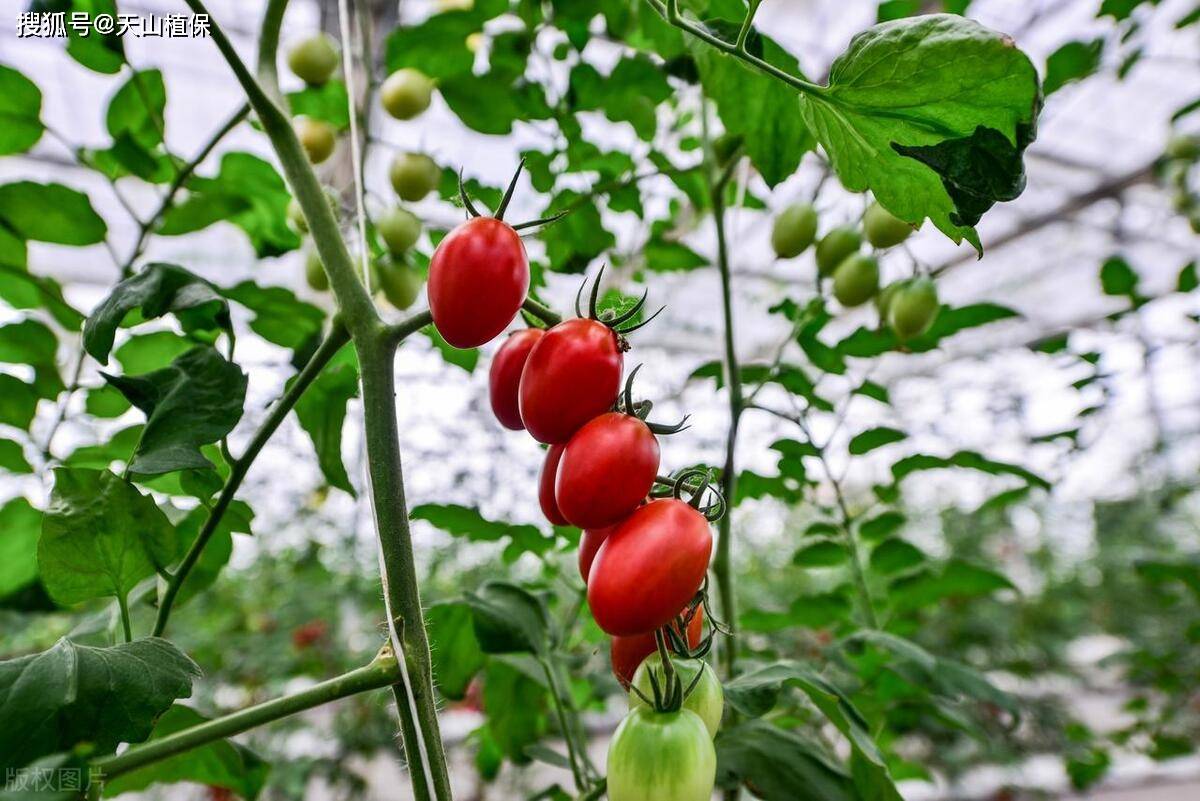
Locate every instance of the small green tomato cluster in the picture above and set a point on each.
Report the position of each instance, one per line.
(667, 755)
(908, 307)
(314, 60)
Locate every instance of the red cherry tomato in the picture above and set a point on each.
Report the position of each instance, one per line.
(546, 486)
(649, 568)
(589, 543)
(504, 378)
(478, 278)
(627, 653)
(572, 375)
(606, 470)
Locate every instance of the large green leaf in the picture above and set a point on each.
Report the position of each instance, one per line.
(453, 647)
(467, 522)
(50, 213)
(18, 402)
(1072, 61)
(515, 706)
(220, 763)
(71, 694)
(280, 317)
(12, 457)
(195, 401)
(103, 53)
(137, 109)
(509, 619)
(779, 765)
(630, 93)
(965, 459)
(100, 537)
(33, 343)
(23, 290)
(20, 526)
(322, 411)
(20, 112)
(757, 107)
(932, 114)
(157, 290)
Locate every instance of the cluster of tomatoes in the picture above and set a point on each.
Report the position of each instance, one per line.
(405, 94)
(644, 550)
(909, 306)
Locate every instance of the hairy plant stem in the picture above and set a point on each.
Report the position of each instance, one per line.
(375, 346)
(382, 671)
(333, 342)
(581, 784)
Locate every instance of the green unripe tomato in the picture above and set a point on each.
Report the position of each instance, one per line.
(707, 699)
(835, 247)
(661, 756)
(1185, 147)
(882, 229)
(913, 308)
(399, 228)
(725, 147)
(406, 93)
(884, 299)
(314, 271)
(414, 175)
(399, 283)
(316, 136)
(856, 280)
(794, 230)
(314, 59)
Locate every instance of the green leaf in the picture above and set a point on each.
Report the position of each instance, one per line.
(666, 257)
(18, 402)
(956, 579)
(116, 447)
(100, 537)
(322, 412)
(137, 110)
(143, 353)
(157, 290)
(761, 109)
(280, 317)
(932, 114)
(59, 698)
(20, 526)
(1121, 9)
(574, 241)
(507, 102)
(20, 112)
(807, 611)
(823, 553)
(779, 765)
(464, 358)
(12, 458)
(50, 213)
(509, 619)
(104, 53)
(23, 290)
(33, 343)
(216, 553)
(966, 459)
(247, 192)
(1073, 61)
(880, 526)
(874, 438)
(219, 763)
(327, 102)
(1118, 278)
(895, 556)
(453, 647)
(195, 401)
(1187, 280)
(515, 706)
(630, 93)
(467, 522)
(437, 47)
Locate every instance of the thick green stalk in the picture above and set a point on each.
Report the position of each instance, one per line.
(333, 342)
(382, 671)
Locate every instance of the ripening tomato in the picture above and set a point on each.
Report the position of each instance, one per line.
(706, 699)
(546, 486)
(478, 278)
(649, 568)
(504, 378)
(573, 374)
(661, 756)
(589, 543)
(607, 469)
(627, 653)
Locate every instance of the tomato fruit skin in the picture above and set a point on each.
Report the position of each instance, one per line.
(856, 280)
(504, 377)
(661, 756)
(314, 59)
(317, 137)
(546, 486)
(406, 93)
(649, 568)
(794, 230)
(607, 469)
(913, 308)
(628, 653)
(883, 229)
(589, 543)
(478, 278)
(707, 699)
(835, 247)
(572, 375)
(413, 176)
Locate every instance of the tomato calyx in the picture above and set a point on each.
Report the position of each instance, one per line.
(473, 211)
(641, 409)
(668, 694)
(614, 321)
(696, 484)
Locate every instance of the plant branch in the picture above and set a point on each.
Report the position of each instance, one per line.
(334, 340)
(556, 692)
(747, 23)
(543, 313)
(382, 671)
(398, 332)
